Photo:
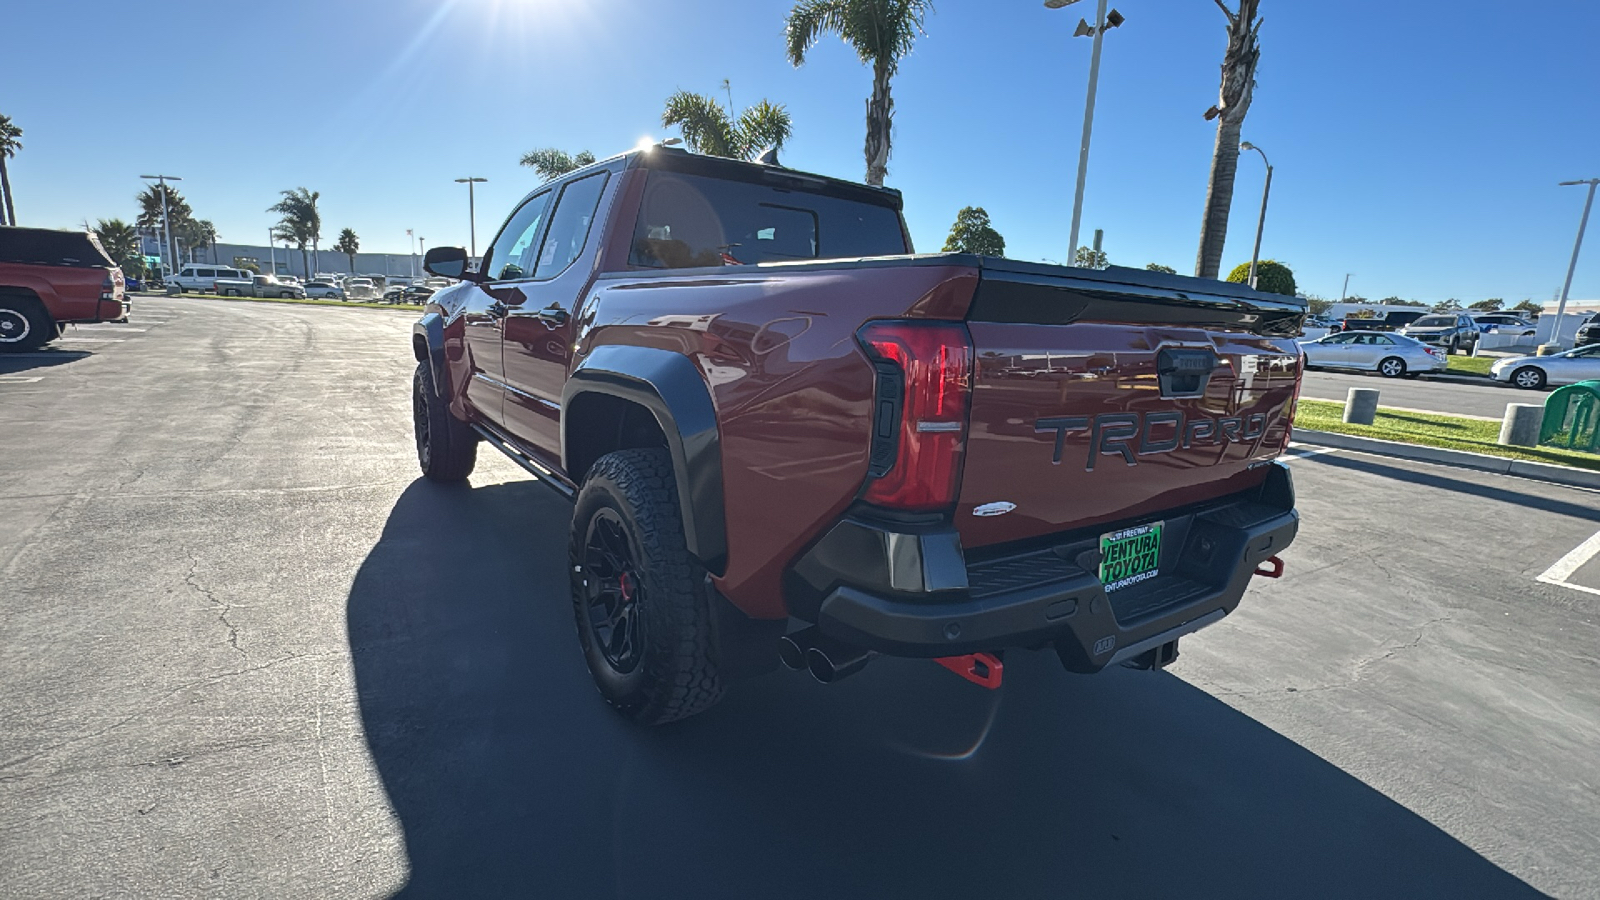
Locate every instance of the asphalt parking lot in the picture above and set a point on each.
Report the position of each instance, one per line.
(1454, 396)
(247, 652)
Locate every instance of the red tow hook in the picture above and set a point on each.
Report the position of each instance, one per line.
(1272, 568)
(984, 669)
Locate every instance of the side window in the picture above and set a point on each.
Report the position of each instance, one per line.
(186, 273)
(569, 225)
(1385, 341)
(511, 255)
(1338, 339)
(206, 273)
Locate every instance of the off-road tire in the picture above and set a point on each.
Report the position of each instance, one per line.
(24, 325)
(675, 675)
(447, 448)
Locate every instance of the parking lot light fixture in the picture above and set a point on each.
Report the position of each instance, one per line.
(1583, 223)
(1255, 255)
(472, 215)
(1101, 22)
(170, 256)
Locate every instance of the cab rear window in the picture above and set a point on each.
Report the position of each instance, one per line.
(689, 221)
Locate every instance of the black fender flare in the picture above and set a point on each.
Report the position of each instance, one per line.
(431, 329)
(671, 387)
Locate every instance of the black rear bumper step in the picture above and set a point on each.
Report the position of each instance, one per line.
(876, 589)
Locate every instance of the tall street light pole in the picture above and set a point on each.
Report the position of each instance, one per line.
(1345, 291)
(272, 248)
(1583, 223)
(1255, 255)
(166, 223)
(472, 213)
(411, 234)
(1101, 22)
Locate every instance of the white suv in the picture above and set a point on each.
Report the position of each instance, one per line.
(196, 277)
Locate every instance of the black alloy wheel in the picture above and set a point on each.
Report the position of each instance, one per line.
(613, 591)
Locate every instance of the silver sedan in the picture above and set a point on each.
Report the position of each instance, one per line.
(1386, 353)
(1535, 372)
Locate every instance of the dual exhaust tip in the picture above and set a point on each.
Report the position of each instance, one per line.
(826, 659)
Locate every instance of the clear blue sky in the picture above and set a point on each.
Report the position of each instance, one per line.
(1417, 144)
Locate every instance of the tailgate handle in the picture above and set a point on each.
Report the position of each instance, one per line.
(1184, 372)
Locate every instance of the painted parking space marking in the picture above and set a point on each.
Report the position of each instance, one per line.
(115, 329)
(1300, 451)
(84, 340)
(20, 379)
(1572, 562)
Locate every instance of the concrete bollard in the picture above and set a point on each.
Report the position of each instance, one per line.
(1360, 406)
(1521, 425)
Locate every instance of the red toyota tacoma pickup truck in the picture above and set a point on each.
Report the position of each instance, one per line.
(788, 439)
(53, 278)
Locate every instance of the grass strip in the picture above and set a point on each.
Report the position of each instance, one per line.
(1470, 365)
(1428, 430)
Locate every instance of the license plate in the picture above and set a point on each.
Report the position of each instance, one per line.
(1130, 556)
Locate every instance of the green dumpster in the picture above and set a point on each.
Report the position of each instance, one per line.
(1572, 417)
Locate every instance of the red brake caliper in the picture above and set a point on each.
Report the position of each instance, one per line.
(979, 668)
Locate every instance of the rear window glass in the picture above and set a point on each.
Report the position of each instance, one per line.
(688, 221)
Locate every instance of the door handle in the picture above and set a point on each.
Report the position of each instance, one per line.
(552, 315)
(496, 310)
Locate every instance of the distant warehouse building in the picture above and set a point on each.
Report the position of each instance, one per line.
(288, 261)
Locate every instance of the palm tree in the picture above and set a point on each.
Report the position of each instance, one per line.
(119, 239)
(882, 33)
(178, 210)
(205, 234)
(349, 245)
(10, 143)
(707, 127)
(1238, 84)
(301, 224)
(552, 163)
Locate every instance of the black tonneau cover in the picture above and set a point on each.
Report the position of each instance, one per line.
(1039, 293)
(47, 247)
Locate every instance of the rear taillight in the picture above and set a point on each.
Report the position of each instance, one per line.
(919, 421)
(1294, 401)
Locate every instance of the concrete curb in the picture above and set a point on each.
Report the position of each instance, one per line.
(1564, 475)
(1483, 380)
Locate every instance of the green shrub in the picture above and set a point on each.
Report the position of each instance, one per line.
(1271, 276)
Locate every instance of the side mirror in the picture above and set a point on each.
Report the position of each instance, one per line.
(447, 262)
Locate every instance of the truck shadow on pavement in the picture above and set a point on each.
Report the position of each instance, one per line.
(16, 363)
(510, 777)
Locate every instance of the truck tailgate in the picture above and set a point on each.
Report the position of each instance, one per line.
(1096, 402)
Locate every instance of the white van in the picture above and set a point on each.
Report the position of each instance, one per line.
(198, 277)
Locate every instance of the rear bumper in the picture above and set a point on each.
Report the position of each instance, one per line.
(908, 593)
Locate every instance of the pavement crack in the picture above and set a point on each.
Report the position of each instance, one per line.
(223, 608)
(1357, 672)
(203, 682)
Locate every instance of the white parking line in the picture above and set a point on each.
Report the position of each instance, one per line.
(114, 329)
(1296, 451)
(84, 340)
(20, 379)
(1566, 565)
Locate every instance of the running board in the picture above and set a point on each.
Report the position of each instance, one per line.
(532, 467)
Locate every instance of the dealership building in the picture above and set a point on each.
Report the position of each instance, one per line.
(288, 261)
